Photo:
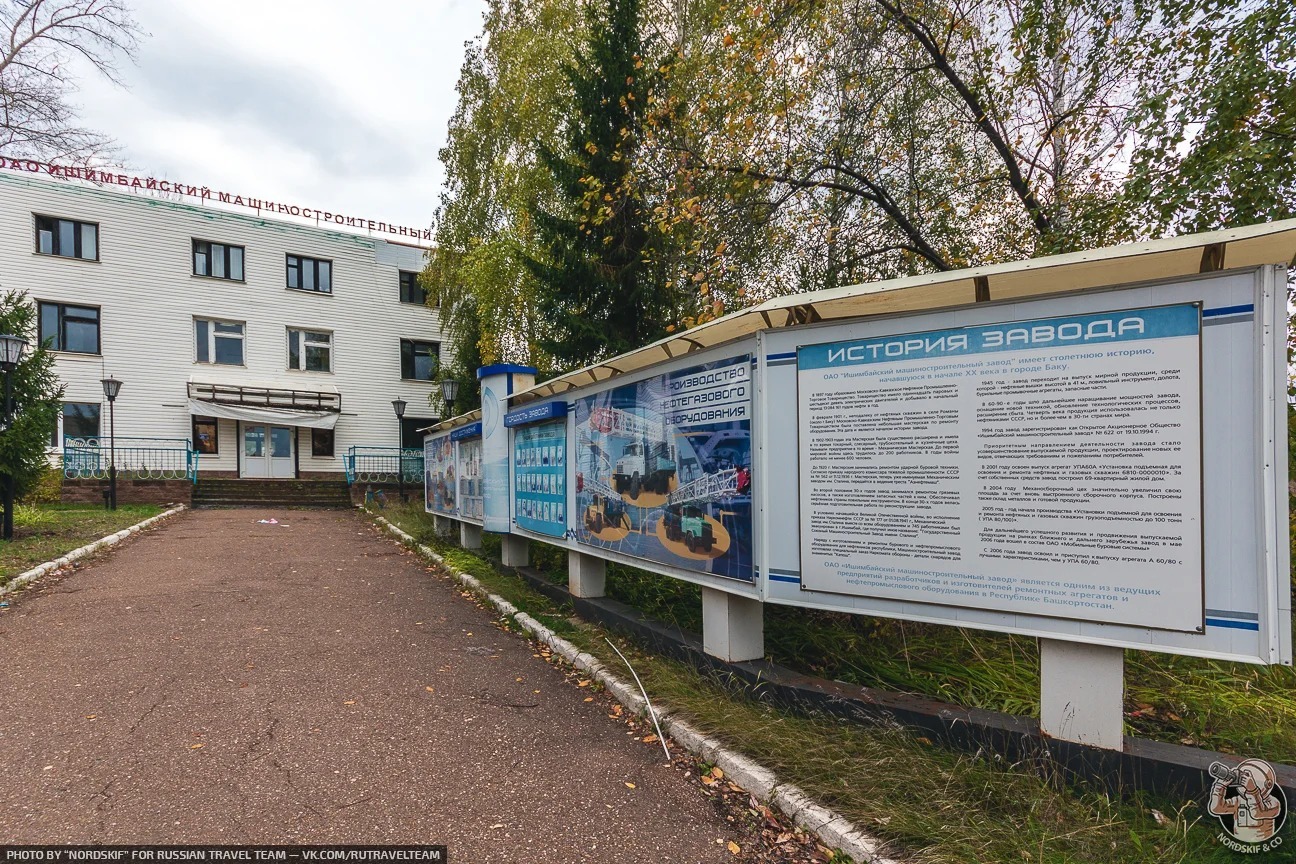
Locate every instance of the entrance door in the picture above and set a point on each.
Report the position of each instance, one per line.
(268, 451)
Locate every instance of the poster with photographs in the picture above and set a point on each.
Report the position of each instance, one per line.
(540, 478)
(439, 474)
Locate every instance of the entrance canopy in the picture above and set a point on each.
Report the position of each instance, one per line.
(314, 409)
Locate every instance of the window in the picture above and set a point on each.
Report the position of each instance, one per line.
(321, 442)
(80, 420)
(410, 289)
(419, 359)
(205, 439)
(310, 350)
(217, 260)
(67, 238)
(70, 328)
(411, 437)
(310, 274)
(219, 342)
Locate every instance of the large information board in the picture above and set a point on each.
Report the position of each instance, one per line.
(1048, 466)
(471, 498)
(664, 469)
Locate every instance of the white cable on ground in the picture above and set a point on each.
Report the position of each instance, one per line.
(651, 712)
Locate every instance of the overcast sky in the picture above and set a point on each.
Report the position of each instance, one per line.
(331, 105)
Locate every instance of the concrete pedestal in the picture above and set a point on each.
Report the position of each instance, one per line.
(443, 525)
(586, 575)
(733, 627)
(515, 551)
(1082, 691)
(470, 535)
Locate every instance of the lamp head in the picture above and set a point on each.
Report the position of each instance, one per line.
(111, 386)
(11, 351)
(398, 405)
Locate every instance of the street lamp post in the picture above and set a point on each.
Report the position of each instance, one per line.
(111, 386)
(449, 391)
(398, 405)
(11, 351)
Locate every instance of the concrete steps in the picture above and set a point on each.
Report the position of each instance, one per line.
(221, 492)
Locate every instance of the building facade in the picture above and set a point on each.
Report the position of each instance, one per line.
(272, 347)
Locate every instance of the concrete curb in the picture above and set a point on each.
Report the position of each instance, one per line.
(832, 829)
(35, 573)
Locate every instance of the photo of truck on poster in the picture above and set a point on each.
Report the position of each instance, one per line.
(663, 469)
(439, 474)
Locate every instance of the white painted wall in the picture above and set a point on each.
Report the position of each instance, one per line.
(148, 297)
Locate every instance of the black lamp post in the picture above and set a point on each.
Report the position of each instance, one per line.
(111, 387)
(449, 391)
(11, 351)
(398, 405)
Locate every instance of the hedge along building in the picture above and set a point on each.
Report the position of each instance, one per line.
(1086, 448)
(267, 349)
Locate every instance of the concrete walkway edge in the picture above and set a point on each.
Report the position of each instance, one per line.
(102, 543)
(833, 830)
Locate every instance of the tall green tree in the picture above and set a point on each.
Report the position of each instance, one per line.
(37, 397)
(600, 293)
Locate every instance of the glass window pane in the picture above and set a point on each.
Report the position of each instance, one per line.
(293, 275)
(218, 260)
(325, 277)
(205, 439)
(90, 241)
(254, 441)
(82, 336)
(49, 329)
(316, 336)
(225, 327)
(424, 367)
(317, 359)
(200, 341)
(66, 238)
(321, 442)
(45, 241)
(294, 349)
(308, 275)
(229, 351)
(236, 263)
(80, 420)
(280, 442)
(200, 260)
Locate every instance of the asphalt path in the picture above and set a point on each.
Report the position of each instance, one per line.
(220, 680)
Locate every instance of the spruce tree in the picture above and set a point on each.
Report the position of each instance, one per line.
(598, 294)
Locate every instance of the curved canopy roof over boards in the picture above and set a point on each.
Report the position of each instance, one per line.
(1128, 264)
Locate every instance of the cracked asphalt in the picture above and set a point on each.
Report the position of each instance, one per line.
(221, 681)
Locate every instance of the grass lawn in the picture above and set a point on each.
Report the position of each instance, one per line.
(934, 804)
(44, 532)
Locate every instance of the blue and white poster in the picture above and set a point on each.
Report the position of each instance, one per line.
(663, 469)
(471, 500)
(1049, 466)
(439, 474)
(540, 478)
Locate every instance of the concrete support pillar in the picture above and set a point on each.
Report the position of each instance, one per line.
(443, 525)
(1082, 692)
(470, 535)
(515, 551)
(733, 627)
(586, 575)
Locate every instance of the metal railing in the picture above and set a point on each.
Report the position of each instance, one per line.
(383, 464)
(135, 458)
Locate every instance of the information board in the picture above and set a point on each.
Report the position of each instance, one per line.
(439, 484)
(540, 478)
(663, 469)
(1049, 466)
(471, 500)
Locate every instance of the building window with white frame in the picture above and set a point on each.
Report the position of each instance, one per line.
(205, 435)
(310, 274)
(64, 327)
(310, 350)
(218, 342)
(77, 420)
(218, 260)
(67, 238)
(419, 359)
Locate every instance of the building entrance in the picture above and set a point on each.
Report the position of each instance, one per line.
(268, 451)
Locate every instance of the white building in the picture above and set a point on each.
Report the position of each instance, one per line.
(273, 347)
